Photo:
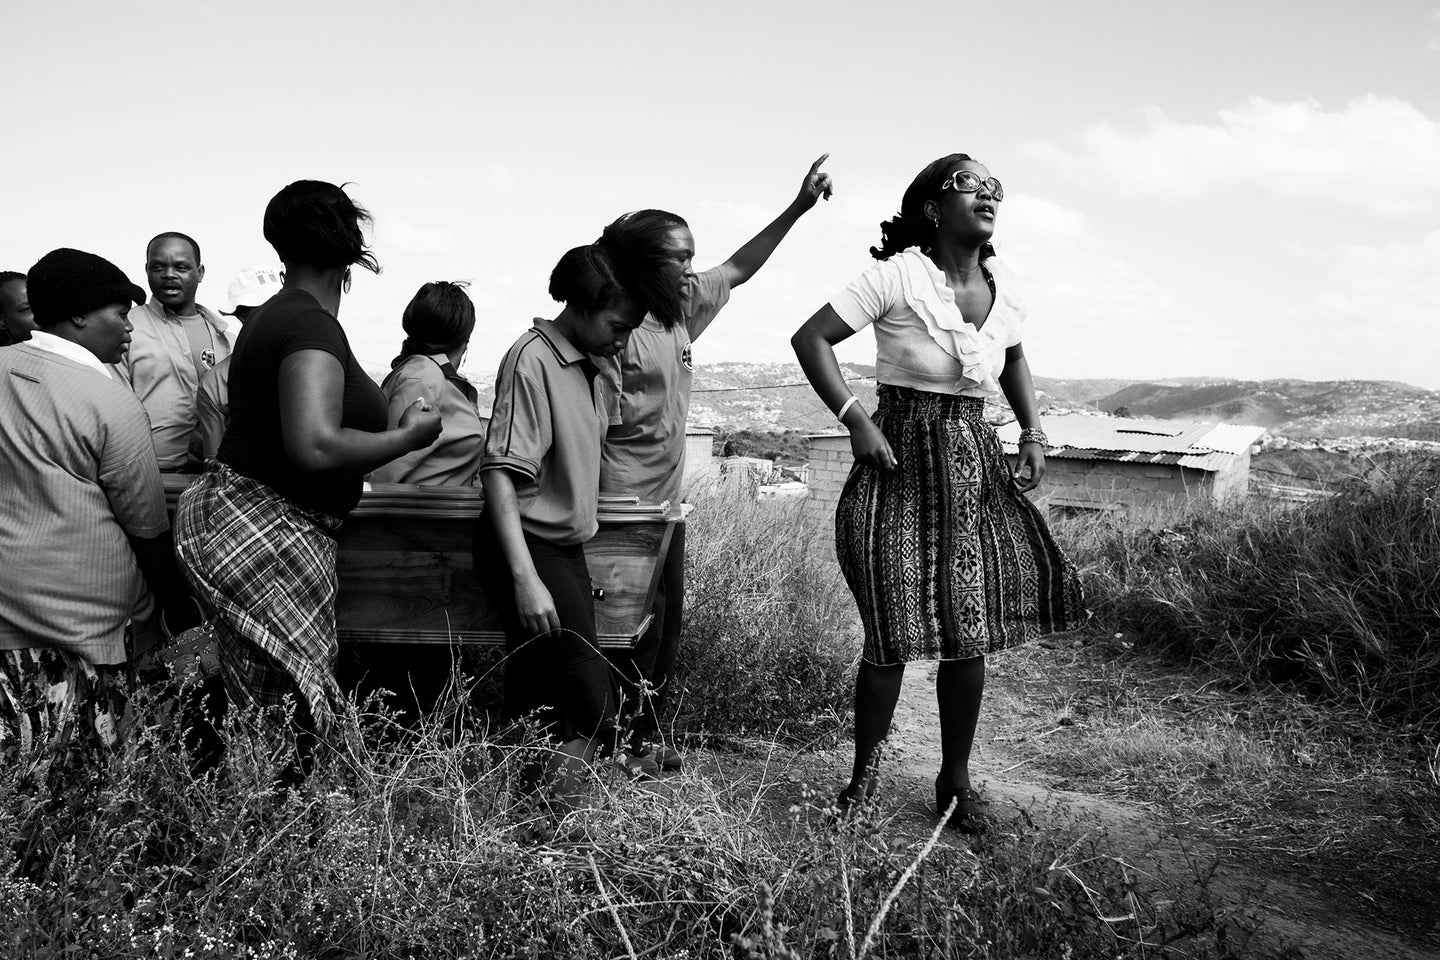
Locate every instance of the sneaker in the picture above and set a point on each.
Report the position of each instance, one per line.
(658, 755)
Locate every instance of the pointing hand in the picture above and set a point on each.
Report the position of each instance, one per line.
(817, 184)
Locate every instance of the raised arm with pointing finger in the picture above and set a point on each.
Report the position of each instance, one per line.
(745, 262)
(644, 452)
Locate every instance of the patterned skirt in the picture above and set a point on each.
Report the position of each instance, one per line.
(59, 710)
(265, 568)
(946, 559)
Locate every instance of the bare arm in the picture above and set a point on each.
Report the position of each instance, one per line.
(1019, 390)
(747, 261)
(532, 600)
(312, 391)
(814, 345)
(209, 421)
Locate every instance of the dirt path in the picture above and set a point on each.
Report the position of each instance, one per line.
(1292, 914)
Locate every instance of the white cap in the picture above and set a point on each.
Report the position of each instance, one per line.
(251, 287)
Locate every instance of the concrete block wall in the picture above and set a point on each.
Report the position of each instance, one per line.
(1234, 480)
(702, 470)
(1140, 489)
(830, 461)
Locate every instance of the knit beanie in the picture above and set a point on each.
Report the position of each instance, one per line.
(69, 283)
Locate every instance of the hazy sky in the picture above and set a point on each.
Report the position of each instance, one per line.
(1220, 189)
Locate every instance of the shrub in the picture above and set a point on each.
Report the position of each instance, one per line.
(769, 642)
(1341, 595)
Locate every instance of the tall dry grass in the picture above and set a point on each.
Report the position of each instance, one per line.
(415, 843)
(770, 638)
(1341, 596)
(409, 846)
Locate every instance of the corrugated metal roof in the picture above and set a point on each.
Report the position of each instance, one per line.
(1232, 438)
(1208, 461)
(1122, 456)
(1200, 446)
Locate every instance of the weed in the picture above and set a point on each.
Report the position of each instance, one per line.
(765, 644)
(412, 844)
(1340, 596)
(1260, 772)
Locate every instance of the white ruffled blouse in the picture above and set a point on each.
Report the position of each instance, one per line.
(922, 340)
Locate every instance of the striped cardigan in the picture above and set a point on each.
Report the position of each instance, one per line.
(77, 474)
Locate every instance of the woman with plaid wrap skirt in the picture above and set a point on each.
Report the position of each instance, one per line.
(945, 556)
(256, 531)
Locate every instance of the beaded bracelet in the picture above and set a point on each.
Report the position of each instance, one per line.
(1034, 435)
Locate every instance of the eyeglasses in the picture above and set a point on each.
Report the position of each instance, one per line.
(965, 181)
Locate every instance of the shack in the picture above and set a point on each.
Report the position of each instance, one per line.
(1136, 467)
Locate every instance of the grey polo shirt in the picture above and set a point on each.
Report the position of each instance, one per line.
(649, 386)
(547, 429)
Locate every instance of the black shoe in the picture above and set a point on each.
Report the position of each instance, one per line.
(665, 757)
(969, 814)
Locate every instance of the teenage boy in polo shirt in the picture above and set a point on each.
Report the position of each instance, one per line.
(540, 473)
(644, 452)
(175, 340)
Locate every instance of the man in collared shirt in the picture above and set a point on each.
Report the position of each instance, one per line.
(174, 341)
(16, 319)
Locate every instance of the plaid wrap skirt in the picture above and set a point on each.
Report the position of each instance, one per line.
(265, 568)
(946, 558)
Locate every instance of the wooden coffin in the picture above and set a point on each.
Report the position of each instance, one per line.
(406, 573)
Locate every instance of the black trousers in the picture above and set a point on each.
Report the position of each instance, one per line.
(562, 678)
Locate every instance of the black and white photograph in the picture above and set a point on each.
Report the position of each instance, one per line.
(775, 481)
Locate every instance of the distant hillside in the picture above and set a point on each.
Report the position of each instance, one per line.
(768, 396)
(774, 397)
(1294, 408)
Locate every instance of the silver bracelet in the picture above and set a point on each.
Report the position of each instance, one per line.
(1034, 435)
(845, 408)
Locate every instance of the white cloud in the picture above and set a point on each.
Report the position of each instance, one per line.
(1377, 153)
(1396, 282)
(865, 204)
(1040, 220)
(1380, 314)
(1092, 311)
